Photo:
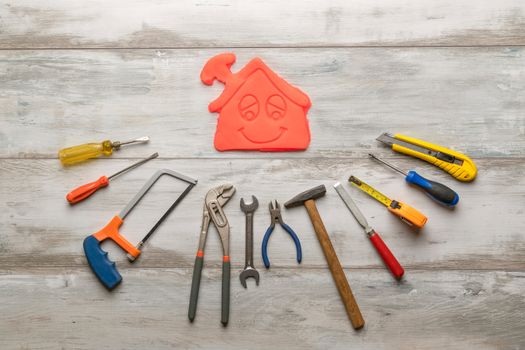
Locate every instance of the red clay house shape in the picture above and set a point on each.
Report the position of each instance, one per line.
(258, 110)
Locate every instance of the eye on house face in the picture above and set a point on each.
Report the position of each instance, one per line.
(275, 107)
(249, 107)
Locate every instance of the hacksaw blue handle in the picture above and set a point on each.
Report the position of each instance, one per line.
(104, 269)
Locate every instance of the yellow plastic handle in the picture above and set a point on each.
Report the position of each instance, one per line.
(465, 172)
(80, 153)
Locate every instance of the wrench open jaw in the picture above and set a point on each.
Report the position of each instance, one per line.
(247, 273)
(249, 270)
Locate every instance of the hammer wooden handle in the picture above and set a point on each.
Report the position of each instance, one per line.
(352, 309)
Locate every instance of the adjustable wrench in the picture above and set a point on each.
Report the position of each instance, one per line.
(249, 270)
(212, 212)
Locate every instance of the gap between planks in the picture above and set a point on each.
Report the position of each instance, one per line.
(189, 48)
(7, 270)
(263, 157)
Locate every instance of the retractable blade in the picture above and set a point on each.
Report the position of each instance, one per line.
(390, 140)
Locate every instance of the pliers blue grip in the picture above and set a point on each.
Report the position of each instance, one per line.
(275, 213)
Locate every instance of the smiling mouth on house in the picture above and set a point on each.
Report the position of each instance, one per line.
(282, 130)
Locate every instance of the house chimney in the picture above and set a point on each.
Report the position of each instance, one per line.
(218, 67)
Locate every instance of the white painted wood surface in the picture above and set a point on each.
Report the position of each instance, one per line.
(449, 72)
(235, 23)
(291, 309)
(452, 96)
(441, 243)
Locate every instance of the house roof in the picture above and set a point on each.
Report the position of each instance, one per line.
(233, 84)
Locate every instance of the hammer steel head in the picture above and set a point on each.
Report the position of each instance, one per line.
(302, 197)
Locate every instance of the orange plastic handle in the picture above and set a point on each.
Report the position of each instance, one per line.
(408, 214)
(84, 191)
(111, 231)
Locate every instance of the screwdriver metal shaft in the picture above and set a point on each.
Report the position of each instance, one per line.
(388, 164)
(437, 191)
(132, 166)
(117, 144)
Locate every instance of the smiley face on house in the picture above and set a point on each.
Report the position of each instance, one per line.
(258, 110)
(253, 114)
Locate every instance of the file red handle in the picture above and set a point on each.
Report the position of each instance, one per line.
(387, 256)
(84, 191)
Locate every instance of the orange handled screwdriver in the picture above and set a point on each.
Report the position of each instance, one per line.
(84, 191)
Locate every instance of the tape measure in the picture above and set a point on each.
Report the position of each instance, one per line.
(372, 192)
(404, 211)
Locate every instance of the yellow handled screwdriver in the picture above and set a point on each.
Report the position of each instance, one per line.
(80, 153)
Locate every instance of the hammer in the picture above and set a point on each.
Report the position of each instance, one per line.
(307, 198)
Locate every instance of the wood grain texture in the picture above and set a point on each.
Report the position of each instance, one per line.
(39, 228)
(451, 72)
(291, 309)
(232, 23)
(471, 100)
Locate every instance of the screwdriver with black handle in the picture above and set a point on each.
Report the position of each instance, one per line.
(80, 153)
(82, 192)
(437, 191)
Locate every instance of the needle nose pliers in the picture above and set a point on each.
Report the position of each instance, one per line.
(275, 213)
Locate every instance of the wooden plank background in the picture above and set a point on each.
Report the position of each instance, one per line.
(445, 71)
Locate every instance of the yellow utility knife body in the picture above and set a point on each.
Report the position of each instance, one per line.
(456, 164)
